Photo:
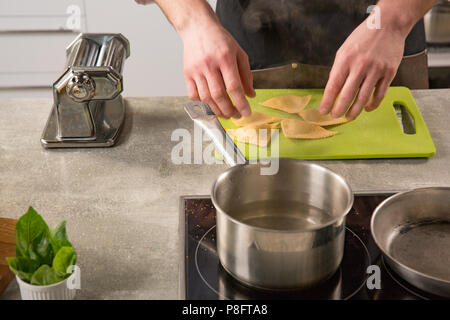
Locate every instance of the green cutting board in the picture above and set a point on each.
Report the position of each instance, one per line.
(376, 134)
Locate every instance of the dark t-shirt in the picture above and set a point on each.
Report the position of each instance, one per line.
(275, 32)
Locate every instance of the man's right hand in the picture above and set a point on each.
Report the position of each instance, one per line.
(215, 64)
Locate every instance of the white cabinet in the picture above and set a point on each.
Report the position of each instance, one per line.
(33, 36)
(32, 59)
(42, 15)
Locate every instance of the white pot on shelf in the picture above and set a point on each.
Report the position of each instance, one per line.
(63, 290)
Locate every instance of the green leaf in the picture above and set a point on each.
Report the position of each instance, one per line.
(45, 276)
(23, 267)
(33, 238)
(59, 237)
(64, 258)
(36, 245)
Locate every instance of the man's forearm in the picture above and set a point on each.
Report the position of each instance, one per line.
(182, 14)
(402, 15)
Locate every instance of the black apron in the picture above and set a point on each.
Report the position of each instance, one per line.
(276, 32)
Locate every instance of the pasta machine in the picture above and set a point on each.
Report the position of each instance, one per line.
(88, 109)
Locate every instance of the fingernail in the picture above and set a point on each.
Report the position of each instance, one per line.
(246, 112)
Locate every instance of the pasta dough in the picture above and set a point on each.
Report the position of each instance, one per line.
(259, 135)
(275, 125)
(289, 104)
(255, 119)
(315, 117)
(299, 129)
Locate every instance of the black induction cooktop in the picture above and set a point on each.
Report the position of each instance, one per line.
(203, 278)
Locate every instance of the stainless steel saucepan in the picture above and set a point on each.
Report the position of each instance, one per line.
(280, 231)
(412, 229)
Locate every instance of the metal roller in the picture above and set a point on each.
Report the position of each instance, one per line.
(112, 54)
(82, 53)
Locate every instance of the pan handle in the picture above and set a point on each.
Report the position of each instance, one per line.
(203, 116)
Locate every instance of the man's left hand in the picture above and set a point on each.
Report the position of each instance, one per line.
(366, 62)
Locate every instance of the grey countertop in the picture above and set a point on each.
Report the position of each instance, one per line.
(122, 203)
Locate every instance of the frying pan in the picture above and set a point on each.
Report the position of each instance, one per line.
(276, 231)
(412, 229)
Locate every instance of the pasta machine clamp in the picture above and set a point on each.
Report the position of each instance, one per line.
(88, 109)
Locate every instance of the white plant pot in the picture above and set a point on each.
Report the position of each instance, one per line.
(64, 290)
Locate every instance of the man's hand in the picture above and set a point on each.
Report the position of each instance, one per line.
(214, 63)
(368, 60)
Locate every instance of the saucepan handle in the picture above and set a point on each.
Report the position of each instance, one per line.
(203, 116)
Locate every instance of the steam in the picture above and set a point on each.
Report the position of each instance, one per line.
(267, 13)
(320, 26)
